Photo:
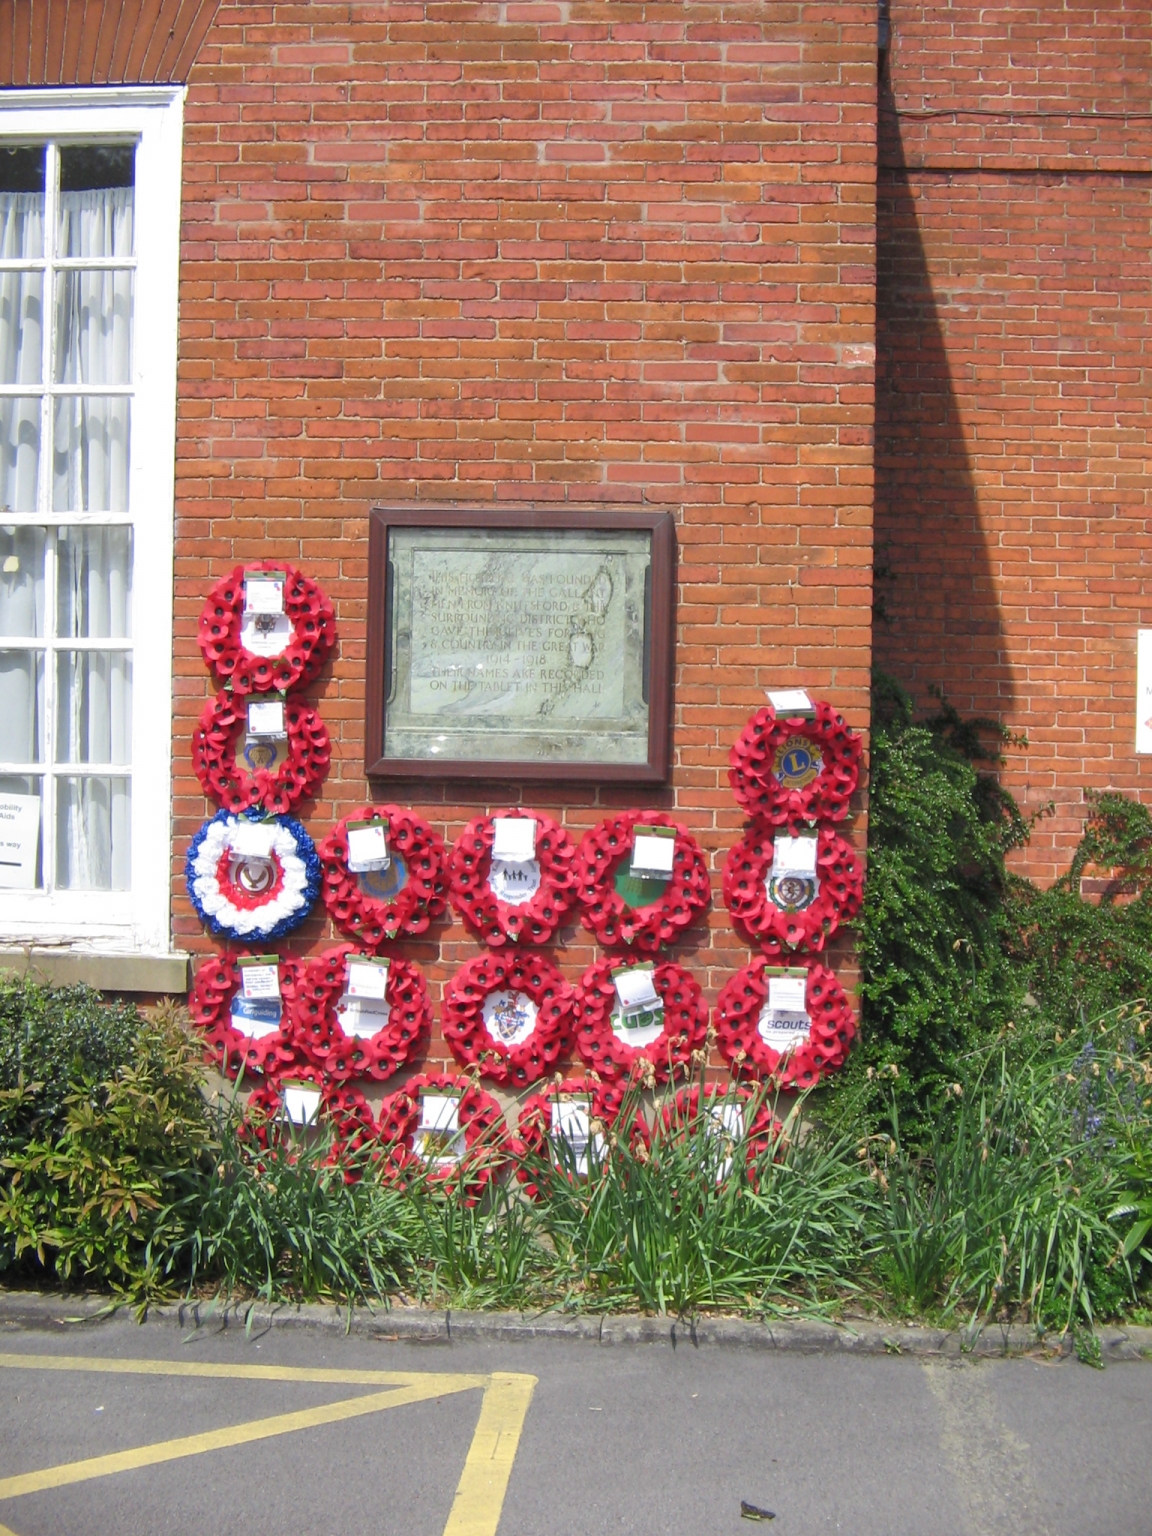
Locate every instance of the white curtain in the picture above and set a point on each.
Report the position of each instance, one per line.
(21, 341)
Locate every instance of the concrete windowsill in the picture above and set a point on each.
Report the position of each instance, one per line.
(108, 972)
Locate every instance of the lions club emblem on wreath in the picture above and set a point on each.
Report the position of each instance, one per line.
(796, 763)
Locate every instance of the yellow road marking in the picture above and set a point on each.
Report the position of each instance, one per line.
(237, 1372)
(488, 1466)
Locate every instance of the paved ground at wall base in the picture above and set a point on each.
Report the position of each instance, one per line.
(107, 1427)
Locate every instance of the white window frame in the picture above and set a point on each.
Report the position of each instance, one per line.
(137, 920)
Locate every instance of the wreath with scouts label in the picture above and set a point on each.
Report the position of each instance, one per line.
(240, 769)
(614, 1037)
(794, 1044)
(252, 646)
(577, 1111)
(724, 1112)
(791, 768)
(508, 1015)
(400, 892)
(624, 903)
(360, 1025)
(791, 892)
(472, 1151)
(506, 892)
(252, 877)
(245, 1034)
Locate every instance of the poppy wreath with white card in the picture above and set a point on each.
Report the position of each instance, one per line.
(462, 1143)
(510, 1015)
(630, 1011)
(259, 752)
(383, 874)
(791, 890)
(292, 1103)
(738, 1114)
(356, 1015)
(251, 877)
(790, 1027)
(266, 626)
(349, 1114)
(571, 1112)
(798, 766)
(510, 877)
(640, 879)
(247, 1028)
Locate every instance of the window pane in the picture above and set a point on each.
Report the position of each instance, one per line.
(22, 582)
(94, 583)
(93, 707)
(93, 328)
(90, 453)
(19, 453)
(20, 820)
(93, 834)
(22, 706)
(21, 327)
(96, 201)
(21, 201)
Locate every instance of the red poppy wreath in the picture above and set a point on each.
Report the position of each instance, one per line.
(297, 1102)
(660, 1017)
(349, 1114)
(508, 1015)
(272, 771)
(358, 1016)
(278, 639)
(399, 885)
(447, 1126)
(625, 898)
(790, 1027)
(571, 1114)
(241, 1032)
(791, 892)
(795, 768)
(510, 877)
(735, 1113)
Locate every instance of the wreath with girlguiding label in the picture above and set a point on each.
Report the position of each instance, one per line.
(622, 909)
(291, 652)
(791, 911)
(271, 774)
(249, 898)
(316, 1018)
(484, 892)
(685, 1023)
(508, 1015)
(216, 984)
(739, 1010)
(534, 1132)
(379, 904)
(486, 1143)
(792, 768)
(761, 1134)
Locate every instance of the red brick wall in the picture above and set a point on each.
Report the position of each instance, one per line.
(1013, 333)
(586, 253)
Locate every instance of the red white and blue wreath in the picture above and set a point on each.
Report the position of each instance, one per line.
(252, 878)
(510, 877)
(628, 1012)
(253, 752)
(246, 1021)
(266, 626)
(508, 1015)
(383, 874)
(640, 879)
(795, 767)
(567, 1124)
(787, 1026)
(791, 890)
(446, 1129)
(356, 1015)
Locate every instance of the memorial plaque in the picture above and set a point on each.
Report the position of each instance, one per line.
(521, 643)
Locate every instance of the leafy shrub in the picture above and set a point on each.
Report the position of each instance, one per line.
(50, 1039)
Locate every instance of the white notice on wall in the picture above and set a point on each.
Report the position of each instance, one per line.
(789, 701)
(653, 851)
(1144, 690)
(514, 839)
(266, 718)
(19, 840)
(368, 847)
(793, 855)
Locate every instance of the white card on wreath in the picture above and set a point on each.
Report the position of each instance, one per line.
(264, 592)
(367, 978)
(786, 994)
(260, 978)
(253, 839)
(514, 838)
(636, 988)
(789, 701)
(794, 855)
(653, 853)
(368, 847)
(266, 717)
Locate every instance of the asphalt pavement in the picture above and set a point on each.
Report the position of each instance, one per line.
(115, 1428)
